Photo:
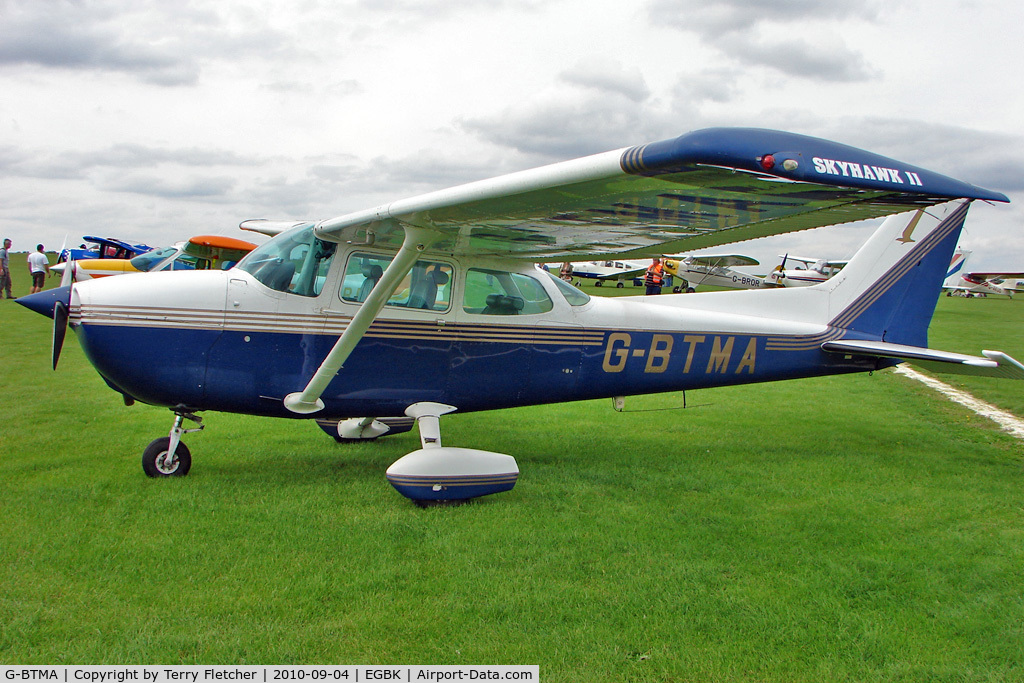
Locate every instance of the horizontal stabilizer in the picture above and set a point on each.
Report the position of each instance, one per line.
(992, 364)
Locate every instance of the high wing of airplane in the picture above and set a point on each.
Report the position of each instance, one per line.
(451, 312)
(712, 269)
(811, 271)
(102, 248)
(201, 252)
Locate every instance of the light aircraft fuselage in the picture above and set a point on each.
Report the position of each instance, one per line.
(224, 341)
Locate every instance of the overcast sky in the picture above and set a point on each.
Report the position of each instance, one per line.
(153, 121)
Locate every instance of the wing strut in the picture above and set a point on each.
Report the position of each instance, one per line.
(308, 400)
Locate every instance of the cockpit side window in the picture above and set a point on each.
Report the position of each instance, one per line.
(294, 262)
(428, 286)
(574, 296)
(496, 292)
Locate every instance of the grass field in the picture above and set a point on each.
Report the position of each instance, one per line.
(840, 529)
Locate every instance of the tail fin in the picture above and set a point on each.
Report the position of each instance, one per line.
(957, 268)
(890, 287)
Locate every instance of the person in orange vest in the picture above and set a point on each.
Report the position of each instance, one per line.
(654, 277)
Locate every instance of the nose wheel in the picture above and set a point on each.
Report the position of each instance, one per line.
(168, 456)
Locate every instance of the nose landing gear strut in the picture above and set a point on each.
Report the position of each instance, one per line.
(168, 456)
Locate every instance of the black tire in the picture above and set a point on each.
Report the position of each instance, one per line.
(155, 456)
(619, 285)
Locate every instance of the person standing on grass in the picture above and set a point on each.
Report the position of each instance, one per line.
(654, 277)
(5, 270)
(38, 266)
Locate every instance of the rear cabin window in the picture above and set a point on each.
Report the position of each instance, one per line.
(496, 292)
(428, 286)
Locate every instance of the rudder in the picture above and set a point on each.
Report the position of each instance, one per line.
(890, 288)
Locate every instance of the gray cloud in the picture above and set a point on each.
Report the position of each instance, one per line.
(728, 16)
(608, 78)
(714, 85)
(78, 37)
(759, 33)
(399, 11)
(606, 107)
(157, 43)
(78, 164)
(562, 130)
(195, 187)
(800, 58)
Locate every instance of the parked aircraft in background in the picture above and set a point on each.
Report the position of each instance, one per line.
(811, 271)
(460, 318)
(617, 271)
(712, 269)
(102, 248)
(960, 282)
(691, 271)
(201, 252)
(984, 284)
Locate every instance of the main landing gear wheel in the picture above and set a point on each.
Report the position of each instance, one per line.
(157, 462)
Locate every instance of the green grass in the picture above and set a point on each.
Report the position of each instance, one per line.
(838, 529)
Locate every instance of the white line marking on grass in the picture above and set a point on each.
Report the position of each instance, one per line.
(1008, 422)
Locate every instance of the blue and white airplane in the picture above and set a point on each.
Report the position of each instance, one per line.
(428, 305)
(961, 282)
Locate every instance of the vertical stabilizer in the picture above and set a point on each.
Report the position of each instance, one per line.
(957, 268)
(890, 287)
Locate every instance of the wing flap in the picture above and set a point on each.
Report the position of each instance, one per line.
(991, 364)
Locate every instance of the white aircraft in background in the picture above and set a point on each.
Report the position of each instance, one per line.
(712, 269)
(960, 282)
(693, 270)
(616, 271)
(812, 271)
(457, 316)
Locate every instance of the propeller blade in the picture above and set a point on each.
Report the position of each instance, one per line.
(60, 329)
(67, 278)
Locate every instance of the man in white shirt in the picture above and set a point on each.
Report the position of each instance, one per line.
(39, 266)
(5, 270)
